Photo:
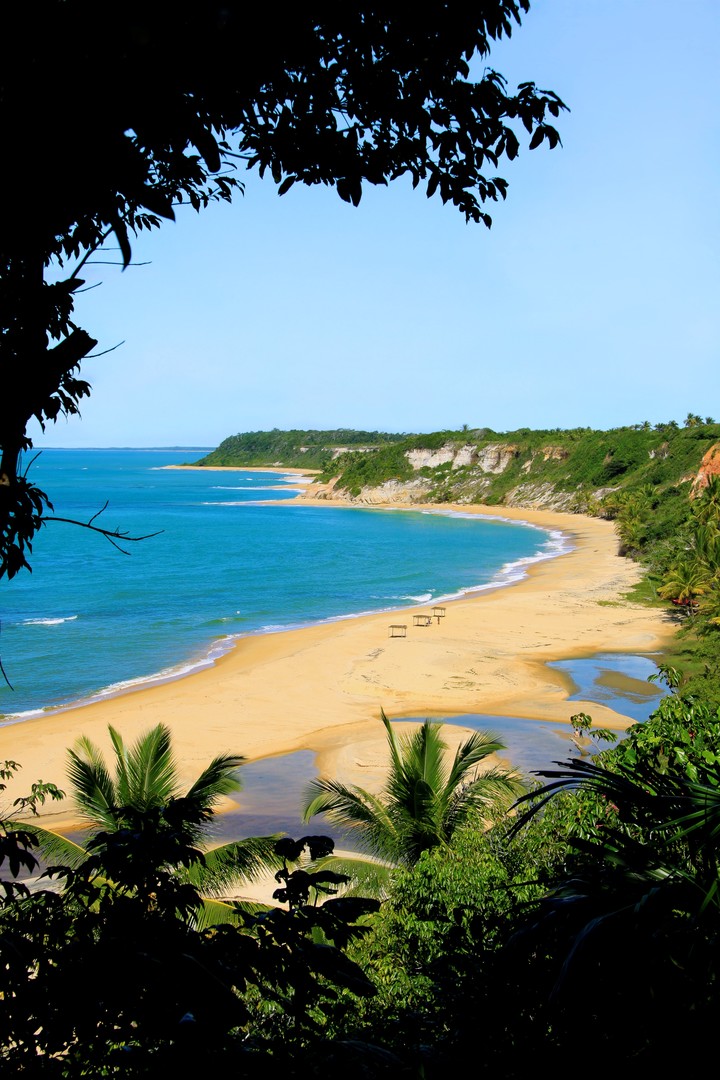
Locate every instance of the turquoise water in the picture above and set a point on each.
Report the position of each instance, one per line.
(233, 556)
(615, 680)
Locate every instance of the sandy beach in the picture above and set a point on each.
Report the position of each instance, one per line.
(321, 688)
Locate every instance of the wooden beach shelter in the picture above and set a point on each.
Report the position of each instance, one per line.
(397, 630)
(422, 620)
(438, 613)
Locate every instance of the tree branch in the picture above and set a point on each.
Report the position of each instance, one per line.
(114, 536)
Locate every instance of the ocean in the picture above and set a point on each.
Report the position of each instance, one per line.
(233, 555)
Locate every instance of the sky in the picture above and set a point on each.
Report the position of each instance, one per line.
(594, 300)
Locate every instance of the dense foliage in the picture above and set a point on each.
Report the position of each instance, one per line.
(675, 534)
(580, 464)
(293, 449)
(600, 902)
(115, 973)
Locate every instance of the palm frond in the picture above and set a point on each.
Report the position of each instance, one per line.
(479, 746)
(355, 809)
(55, 849)
(150, 769)
(232, 864)
(122, 793)
(494, 789)
(420, 774)
(218, 779)
(93, 788)
(214, 913)
(424, 756)
(368, 877)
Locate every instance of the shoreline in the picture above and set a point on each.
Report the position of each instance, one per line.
(321, 687)
(289, 470)
(511, 573)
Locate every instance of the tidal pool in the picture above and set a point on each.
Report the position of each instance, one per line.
(272, 787)
(615, 680)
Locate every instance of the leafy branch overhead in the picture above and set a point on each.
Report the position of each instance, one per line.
(341, 95)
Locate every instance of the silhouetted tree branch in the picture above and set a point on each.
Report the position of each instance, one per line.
(115, 536)
(342, 95)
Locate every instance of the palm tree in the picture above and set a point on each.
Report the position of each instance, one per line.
(686, 580)
(145, 788)
(707, 503)
(424, 801)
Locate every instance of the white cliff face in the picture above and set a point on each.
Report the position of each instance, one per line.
(430, 459)
(395, 491)
(496, 458)
(338, 450)
(491, 459)
(466, 455)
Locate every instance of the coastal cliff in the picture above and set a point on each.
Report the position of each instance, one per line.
(579, 471)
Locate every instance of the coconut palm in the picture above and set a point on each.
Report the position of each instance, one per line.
(425, 800)
(144, 788)
(707, 503)
(687, 579)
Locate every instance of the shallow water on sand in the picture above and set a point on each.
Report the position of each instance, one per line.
(272, 787)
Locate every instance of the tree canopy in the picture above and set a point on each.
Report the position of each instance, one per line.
(137, 108)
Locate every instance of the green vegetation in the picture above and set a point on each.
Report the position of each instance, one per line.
(294, 449)
(146, 782)
(115, 974)
(677, 540)
(602, 896)
(576, 467)
(424, 802)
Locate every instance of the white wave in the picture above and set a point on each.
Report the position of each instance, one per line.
(218, 648)
(245, 502)
(557, 543)
(48, 622)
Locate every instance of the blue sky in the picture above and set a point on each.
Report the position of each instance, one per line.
(594, 299)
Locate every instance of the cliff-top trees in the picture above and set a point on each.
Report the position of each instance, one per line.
(112, 114)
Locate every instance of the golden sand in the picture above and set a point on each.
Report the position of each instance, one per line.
(322, 688)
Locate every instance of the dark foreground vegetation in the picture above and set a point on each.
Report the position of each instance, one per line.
(591, 919)
(587, 920)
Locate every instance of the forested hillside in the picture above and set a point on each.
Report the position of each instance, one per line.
(565, 470)
(295, 449)
(660, 484)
